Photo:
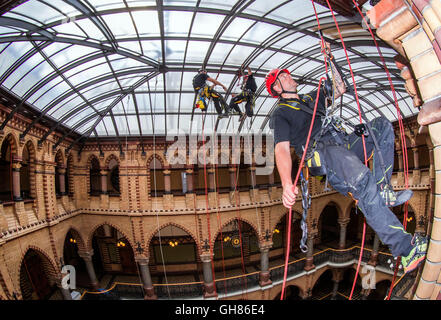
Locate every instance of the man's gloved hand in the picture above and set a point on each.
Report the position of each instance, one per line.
(361, 130)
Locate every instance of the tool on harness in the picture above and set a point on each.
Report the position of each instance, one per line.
(306, 203)
(365, 125)
(361, 130)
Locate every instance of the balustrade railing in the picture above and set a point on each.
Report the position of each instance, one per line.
(247, 282)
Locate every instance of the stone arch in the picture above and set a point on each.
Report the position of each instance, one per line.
(70, 174)
(276, 294)
(109, 158)
(253, 226)
(295, 213)
(32, 153)
(332, 202)
(158, 157)
(94, 229)
(77, 236)
(89, 160)
(317, 276)
(49, 265)
(59, 158)
(12, 142)
(150, 237)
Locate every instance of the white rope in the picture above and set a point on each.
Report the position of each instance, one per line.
(127, 178)
(157, 215)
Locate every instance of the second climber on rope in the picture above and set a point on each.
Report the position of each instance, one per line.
(204, 93)
(338, 156)
(248, 88)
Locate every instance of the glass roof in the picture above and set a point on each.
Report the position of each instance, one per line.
(125, 67)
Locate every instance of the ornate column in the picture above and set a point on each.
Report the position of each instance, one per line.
(87, 257)
(416, 174)
(233, 185)
(374, 255)
(104, 196)
(168, 196)
(190, 195)
(64, 292)
(264, 275)
(209, 285)
(309, 265)
(343, 227)
(147, 284)
(62, 180)
(189, 175)
(167, 181)
(336, 278)
(16, 191)
(103, 175)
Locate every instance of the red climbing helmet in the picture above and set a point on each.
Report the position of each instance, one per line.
(271, 78)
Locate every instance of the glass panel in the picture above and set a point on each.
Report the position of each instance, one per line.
(12, 53)
(206, 24)
(177, 23)
(106, 5)
(53, 93)
(120, 24)
(33, 77)
(37, 11)
(174, 50)
(147, 22)
(260, 8)
(220, 52)
(92, 30)
(109, 125)
(236, 28)
(260, 32)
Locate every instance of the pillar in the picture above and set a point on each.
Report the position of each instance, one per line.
(147, 284)
(374, 255)
(189, 174)
(416, 174)
(254, 193)
(87, 257)
(61, 179)
(167, 198)
(264, 275)
(64, 292)
(234, 192)
(103, 175)
(337, 276)
(209, 284)
(309, 265)
(343, 227)
(167, 181)
(16, 165)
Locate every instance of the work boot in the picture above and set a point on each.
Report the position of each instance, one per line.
(416, 255)
(392, 198)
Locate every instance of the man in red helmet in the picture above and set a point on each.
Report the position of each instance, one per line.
(338, 156)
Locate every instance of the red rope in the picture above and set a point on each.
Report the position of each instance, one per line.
(288, 244)
(244, 279)
(402, 136)
(363, 140)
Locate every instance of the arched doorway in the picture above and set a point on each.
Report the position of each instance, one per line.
(71, 257)
(112, 252)
(35, 280)
(291, 293)
(173, 249)
(94, 177)
(323, 286)
(6, 172)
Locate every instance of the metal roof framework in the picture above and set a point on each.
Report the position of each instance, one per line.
(115, 68)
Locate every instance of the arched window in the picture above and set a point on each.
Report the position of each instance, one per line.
(5, 172)
(95, 177)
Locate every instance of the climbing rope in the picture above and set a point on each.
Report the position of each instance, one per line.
(157, 215)
(402, 135)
